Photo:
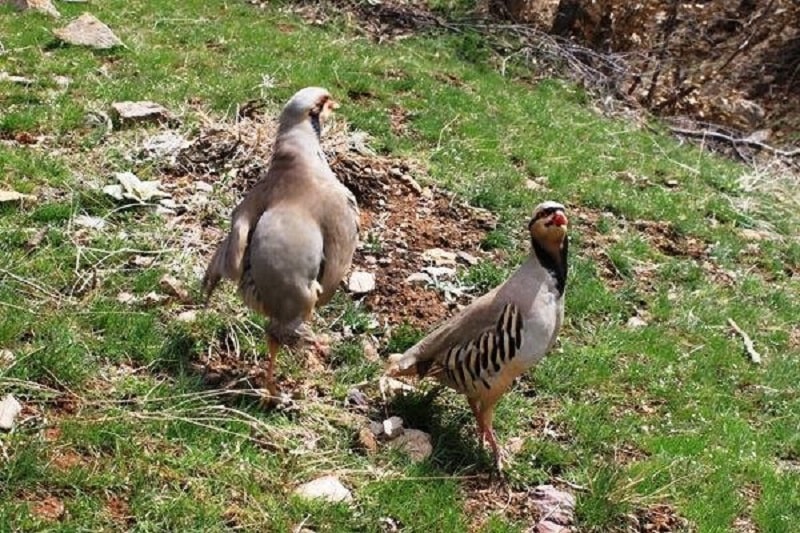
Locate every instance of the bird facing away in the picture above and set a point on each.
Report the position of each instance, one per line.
(293, 235)
(500, 335)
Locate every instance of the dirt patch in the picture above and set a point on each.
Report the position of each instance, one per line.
(66, 459)
(485, 497)
(664, 237)
(400, 218)
(119, 510)
(400, 221)
(48, 508)
(627, 453)
(659, 517)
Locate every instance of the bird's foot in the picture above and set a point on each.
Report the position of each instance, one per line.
(275, 399)
(501, 456)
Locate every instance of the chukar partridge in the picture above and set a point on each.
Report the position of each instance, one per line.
(500, 335)
(293, 235)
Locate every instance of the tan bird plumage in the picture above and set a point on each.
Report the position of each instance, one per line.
(293, 235)
(503, 333)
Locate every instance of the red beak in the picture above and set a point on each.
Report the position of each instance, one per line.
(559, 219)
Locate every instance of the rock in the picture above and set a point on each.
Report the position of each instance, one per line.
(90, 222)
(173, 287)
(203, 186)
(412, 183)
(418, 278)
(635, 322)
(87, 30)
(437, 272)
(393, 427)
(62, 81)
(169, 203)
(22, 80)
(557, 505)
(532, 185)
(187, 316)
(361, 282)
(376, 428)
(439, 257)
(416, 443)
(153, 298)
(126, 113)
(469, 259)
(42, 6)
(142, 261)
(164, 144)
(125, 297)
(327, 488)
(9, 410)
(367, 440)
(6, 358)
(356, 398)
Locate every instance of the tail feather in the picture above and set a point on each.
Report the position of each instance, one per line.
(213, 273)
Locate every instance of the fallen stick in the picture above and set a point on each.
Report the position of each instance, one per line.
(748, 342)
(734, 141)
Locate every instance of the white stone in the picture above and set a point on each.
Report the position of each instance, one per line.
(327, 488)
(91, 222)
(164, 144)
(139, 111)
(188, 316)
(439, 257)
(557, 505)
(87, 30)
(469, 259)
(202, 186)
(438, 272)
(635, 322)
(125, 297)
(7, 358)
(418, 278)
(9, 410)
(361, 282)
(376, 428)
(393, 427)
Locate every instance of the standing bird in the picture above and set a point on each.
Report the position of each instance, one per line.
(499, 336)
(293, 235)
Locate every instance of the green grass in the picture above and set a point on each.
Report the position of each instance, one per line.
(112, 383)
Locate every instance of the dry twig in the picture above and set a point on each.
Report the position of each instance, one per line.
(748, 342)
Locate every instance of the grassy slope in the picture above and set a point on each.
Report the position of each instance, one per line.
(707, 428)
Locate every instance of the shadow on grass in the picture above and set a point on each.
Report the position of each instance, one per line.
(456, 447)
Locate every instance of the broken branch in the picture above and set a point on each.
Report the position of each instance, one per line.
(748, 342)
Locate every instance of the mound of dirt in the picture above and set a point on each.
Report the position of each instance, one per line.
(400, 219)
(730, 63)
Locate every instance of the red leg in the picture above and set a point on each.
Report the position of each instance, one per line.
(272, 355)
(489, 436)
(476, 411)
